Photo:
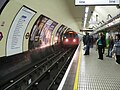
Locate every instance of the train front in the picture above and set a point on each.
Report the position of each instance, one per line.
(70, 39)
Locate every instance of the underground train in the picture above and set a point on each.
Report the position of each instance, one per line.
(70, 38)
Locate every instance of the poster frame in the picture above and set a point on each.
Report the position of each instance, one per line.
(24, 31)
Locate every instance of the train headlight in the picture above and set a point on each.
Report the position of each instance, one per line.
(66, 40)
(74, 40)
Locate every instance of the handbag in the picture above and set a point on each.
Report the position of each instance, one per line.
(84, 48)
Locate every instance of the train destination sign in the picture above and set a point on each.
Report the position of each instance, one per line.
(97, 2)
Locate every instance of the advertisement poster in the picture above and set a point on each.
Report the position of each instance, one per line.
(35, 38)
(58, 34)
(46, 34)
(40, 36)
(53, 25)
(16, 33)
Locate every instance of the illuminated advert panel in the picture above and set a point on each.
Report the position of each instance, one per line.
(97, 2)
(18, 27)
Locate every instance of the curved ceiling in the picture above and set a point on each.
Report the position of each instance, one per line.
(102, 14)
(97, 15)
(78, 12)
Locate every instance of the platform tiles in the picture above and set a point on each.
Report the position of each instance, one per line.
(96, 74)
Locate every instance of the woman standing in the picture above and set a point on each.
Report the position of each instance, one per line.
(116, 49)
(100, 47)
(110, 46)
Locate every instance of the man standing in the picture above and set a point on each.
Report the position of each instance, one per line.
(87, 43)
(103, 42)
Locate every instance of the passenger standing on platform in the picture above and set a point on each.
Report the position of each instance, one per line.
(87, 43)
(91, 42)
(110, 46)
(103, 42)
(116, 39)
(100, 47)
(116, 49)
(84, 39)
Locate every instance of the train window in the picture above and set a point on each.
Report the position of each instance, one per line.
(65, 36)
(75, 35)
(70, 35)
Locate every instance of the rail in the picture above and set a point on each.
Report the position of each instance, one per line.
(56, 81)
(27, 80)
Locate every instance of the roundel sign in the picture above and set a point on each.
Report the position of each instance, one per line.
(1, 36)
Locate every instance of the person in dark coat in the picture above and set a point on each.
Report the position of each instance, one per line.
(84, 39)
(87, 43)
(103, 42)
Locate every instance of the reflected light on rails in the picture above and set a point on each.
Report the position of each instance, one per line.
(44, 46)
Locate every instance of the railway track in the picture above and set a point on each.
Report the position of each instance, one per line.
(45, 75)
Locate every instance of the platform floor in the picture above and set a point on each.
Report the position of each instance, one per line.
(93, 73)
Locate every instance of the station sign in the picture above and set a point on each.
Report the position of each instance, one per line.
(97, 2)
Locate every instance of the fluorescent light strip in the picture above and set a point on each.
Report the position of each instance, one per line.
(86, 15)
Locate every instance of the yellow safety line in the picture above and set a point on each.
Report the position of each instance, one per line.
(77, 72)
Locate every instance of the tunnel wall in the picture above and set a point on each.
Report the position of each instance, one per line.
(56, 10)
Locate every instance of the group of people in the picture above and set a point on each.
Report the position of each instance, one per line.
(113, 46)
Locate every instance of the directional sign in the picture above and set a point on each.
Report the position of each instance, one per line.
(97, 2)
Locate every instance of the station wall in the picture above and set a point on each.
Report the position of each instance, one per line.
(57, 10)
